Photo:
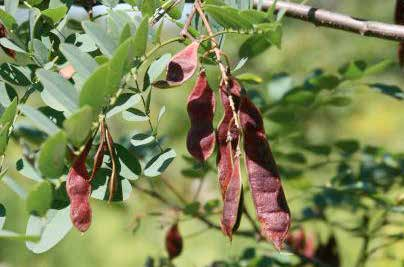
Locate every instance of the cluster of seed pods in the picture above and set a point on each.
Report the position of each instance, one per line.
(78, 181)
(241, 123)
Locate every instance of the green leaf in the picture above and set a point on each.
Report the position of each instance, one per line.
(130, 166)
(59, 90)
(158, 67)
(348, 146)
(51, 230)
(52, 155)
(379, 67)
(142, 139)
(26, 169)
(55, 14)
(78, 126)
(4, 138)
(34, 2)
(228, 17)
(40, 198)
(354, 70)
(102, 39)
(300, 97)
(254, 46)
(249, 78)
(149, 6)
(110, 3)
(41, 52)
(83, 63)
(318, 149)
(390, 90)
(95, 90)
(14, 186)
(192, 208)
(8, 20)
(125, 34)
(2, 216)
(9, 44)
(11, 7)
(211, 205)
(134, 114)
(9, 113)
(339, 101)
(40, 120)
(124, 102)
(140, 38)
(159, 163)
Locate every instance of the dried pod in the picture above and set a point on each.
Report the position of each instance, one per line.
(3, 33)
(183, 65)
(399, 19)
(174, 242)
(99, 154)
(201, 109)
(232, 204)
(227, 141)
(266, 188)
(302, 242)
(78, 189)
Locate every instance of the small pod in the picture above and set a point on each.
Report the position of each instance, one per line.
(174, 242)
(78, 189)
(399, 20)
(201, 109)
(183, 65)
(266, 188)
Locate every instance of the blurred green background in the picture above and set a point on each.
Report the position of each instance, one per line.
(372, 118)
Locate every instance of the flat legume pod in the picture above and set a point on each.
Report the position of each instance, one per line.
(266, 188)
(183, 65)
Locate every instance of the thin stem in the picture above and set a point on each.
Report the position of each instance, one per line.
(174, 191)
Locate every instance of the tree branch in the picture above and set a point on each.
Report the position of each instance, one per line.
(325, 18)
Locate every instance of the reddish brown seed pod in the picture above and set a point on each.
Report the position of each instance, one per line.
(99, 154)
(399, 19)
(201, 108)
(174, 242)
(266, 188)
(232, 204)
(302, 242)
(78, 189)
(183, 65)
(3, 33)
(227, 140)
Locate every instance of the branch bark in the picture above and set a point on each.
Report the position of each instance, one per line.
(325, 18)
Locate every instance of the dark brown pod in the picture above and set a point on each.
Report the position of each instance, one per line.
(174, 242)
(183, 65)
(266, 188)
(399, 19)
(78, 189)
(201, 109)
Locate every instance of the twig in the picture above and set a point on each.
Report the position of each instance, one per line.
(325, 18)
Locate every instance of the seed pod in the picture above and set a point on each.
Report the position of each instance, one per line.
(99, 154)
(174, 242)
(227, 141)
(78, 189)
(232, 204)
(399, 19)
(201, 109)
(266, 188)
(183, 65)
(3, 33)
(302, 242)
